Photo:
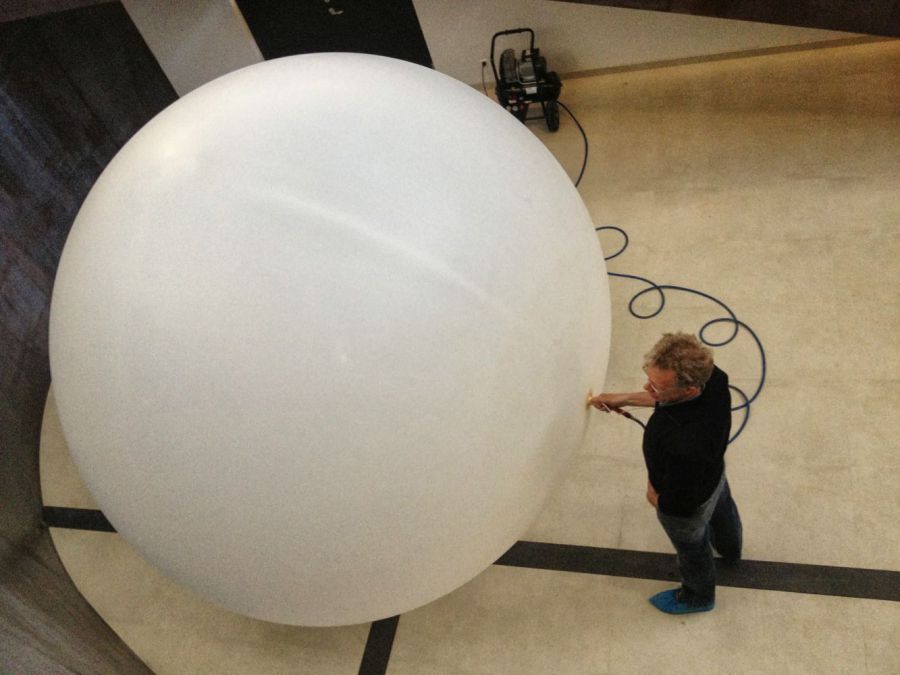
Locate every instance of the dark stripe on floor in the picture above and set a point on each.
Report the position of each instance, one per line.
(847, 582)
(378, 647)
(76, 519)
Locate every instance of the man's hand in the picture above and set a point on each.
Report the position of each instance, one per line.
(652, 495)
(615, 402)
(609, 402)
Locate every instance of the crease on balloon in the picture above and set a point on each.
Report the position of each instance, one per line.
(333, 217)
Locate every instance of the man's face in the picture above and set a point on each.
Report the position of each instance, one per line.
(662, 385)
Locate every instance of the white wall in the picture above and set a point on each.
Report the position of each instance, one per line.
(194, 41)
(576, 37)
(198, 40)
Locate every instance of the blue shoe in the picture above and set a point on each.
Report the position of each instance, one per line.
(670, 602)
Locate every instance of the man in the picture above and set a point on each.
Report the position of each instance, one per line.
(684, 445)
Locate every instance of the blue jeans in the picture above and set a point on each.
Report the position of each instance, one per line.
(715, 524)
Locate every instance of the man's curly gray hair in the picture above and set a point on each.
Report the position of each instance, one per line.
(686, 355)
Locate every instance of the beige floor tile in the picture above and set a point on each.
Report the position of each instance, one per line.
(528, 621)
(589, 506)
(61, 484)
(881, 626)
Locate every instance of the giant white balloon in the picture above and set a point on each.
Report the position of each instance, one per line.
(322, 334)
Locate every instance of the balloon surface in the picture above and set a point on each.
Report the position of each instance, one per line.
(322, 335)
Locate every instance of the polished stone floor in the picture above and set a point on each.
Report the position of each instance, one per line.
(771, 183)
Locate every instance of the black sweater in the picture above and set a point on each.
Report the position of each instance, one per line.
(684, 447)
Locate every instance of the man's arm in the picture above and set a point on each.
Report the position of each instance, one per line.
(615, 402)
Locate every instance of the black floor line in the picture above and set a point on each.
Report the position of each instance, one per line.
(76, 519)
(850, 582)
(378, 647)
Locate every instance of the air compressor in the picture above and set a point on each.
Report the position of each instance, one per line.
(521, 81)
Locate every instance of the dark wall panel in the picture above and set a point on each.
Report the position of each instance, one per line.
(10, 10)
(74, 86)
(881, 17)
(383, 27)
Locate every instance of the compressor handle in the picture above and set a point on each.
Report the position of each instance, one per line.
(511, 31)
